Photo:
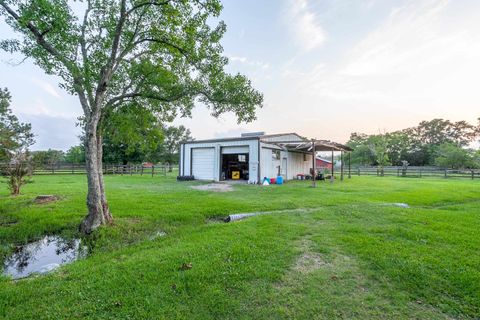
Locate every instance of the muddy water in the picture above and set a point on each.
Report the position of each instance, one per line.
(43, 256)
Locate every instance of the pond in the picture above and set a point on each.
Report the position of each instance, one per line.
(43, 256)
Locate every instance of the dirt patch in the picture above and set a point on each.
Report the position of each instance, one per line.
(215, 187)
(309, 260)
(45, 199)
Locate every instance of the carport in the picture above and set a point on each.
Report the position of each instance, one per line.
(313, 146)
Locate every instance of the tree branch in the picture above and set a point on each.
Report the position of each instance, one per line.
(107, 70)
(148, 3)
(84, 50)
(69, 65)
(149, 96)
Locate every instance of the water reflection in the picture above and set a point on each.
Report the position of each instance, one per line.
(43, 256)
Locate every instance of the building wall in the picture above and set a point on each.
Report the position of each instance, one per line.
(268, 166)
(186, 156)
(298, 165)
(282, 137)
(291, 163)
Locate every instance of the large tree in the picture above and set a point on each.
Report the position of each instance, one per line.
(164, 54)
(130, 133)
(168, 150)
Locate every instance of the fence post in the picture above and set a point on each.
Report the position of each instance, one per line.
(153, 170)
(165, 170)
(445, 173)
(130, 168)
(473, 175)
(141, 173)
(420, 173)
(358, 170)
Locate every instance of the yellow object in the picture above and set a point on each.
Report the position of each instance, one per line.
(235, 175)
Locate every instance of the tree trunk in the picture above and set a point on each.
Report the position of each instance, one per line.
(96, 200)
(106, 210)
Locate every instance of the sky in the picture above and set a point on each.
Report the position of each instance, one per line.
(327, 68)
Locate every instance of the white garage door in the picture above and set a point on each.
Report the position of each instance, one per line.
(203, 162)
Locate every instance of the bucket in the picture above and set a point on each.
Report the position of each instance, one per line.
(273, 180)
(279, 180)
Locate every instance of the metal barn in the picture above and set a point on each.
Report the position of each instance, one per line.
(252, 157)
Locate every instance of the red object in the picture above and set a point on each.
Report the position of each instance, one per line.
(322, 163)
(273, 181)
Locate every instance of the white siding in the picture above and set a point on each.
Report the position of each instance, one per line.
(203, 166)
(297, 165)
(282, 137)
(268, 165)
(250, 144)
(234, 150)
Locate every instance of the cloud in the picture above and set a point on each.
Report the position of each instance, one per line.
(246, 61)
(47, 87)
(417, 55)
(419, 62)
(409, 39)
(304, 25)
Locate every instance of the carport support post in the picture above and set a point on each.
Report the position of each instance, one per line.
(314, 165)
(349, 165)
(341, 165)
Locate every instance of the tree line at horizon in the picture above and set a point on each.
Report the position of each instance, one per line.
(437, 142)
(156, 144)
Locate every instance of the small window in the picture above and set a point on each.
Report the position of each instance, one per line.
(242, 158)
(304, 157)
(276, 154)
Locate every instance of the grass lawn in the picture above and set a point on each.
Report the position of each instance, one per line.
(350, 256)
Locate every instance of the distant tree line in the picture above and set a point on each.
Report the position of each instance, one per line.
(437, 142)
(155, 144)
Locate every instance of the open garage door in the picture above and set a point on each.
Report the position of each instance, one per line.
(203, 163)
(235, 163)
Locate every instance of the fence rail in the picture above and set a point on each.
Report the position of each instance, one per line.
(164, 169)
(416, 172)
(108, 169)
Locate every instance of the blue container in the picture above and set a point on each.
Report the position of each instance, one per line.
(279, 180)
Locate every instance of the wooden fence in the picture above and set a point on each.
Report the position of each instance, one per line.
(416, 172)
(108, 169)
